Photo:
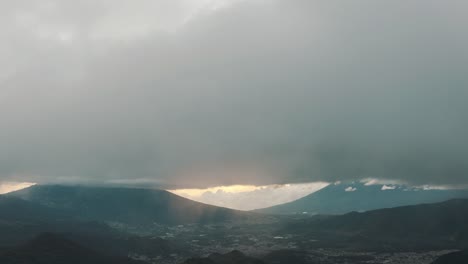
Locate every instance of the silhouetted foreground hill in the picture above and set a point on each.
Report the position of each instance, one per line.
(51, 248)
(347, 197)
(234, 257)
(439, 225)
(460, 257)
(130, 206)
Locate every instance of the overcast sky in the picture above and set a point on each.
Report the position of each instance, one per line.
(199, 93)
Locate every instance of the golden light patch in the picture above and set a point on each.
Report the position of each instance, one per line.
(7, 187)
(227, 189)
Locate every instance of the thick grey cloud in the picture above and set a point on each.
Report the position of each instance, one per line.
(198, 93)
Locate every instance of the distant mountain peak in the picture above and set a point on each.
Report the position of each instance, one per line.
(134, 206)
(343, 197)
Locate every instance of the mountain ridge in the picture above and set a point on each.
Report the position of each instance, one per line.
(341, 198)
(433, 225)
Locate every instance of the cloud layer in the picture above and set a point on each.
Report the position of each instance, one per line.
(203, 93)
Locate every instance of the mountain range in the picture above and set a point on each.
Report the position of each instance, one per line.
(75, 216)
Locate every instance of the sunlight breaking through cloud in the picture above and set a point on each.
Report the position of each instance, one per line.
(250, 197)
(7, 187)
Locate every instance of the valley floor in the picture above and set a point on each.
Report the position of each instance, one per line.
(263, 240)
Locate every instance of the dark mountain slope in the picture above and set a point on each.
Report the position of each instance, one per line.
(130, 206)
(15, 209)
(50, 248)
(21, 220)
(459, 257)
(343, 198)
(440, 225)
